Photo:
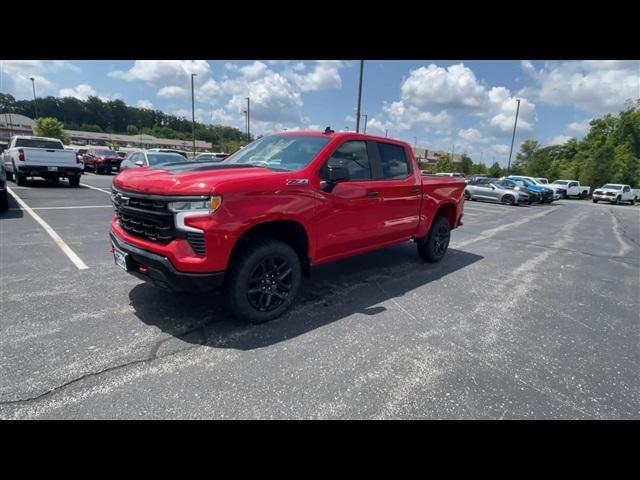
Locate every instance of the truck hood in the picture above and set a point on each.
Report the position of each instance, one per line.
(607, 190)
(184, 179)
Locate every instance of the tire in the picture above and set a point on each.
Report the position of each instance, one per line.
(21, 179)
(74, 182)
(4, 201)
(583, 196)
(467, 195)
(617, 200)
(96, 169)
(509, 200)
(433, 247)
(248, 295)
(595, 200)
(9, 176)
(632, 201)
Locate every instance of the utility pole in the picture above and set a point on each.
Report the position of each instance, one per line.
(415, 143)
(365, 122)
(386, 131)
(513, 137)
(248, 121)
(35, 102)
(193, 113)
(246, 124)
(359, 97)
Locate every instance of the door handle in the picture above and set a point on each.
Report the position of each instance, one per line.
(372, 194)
(415, 190)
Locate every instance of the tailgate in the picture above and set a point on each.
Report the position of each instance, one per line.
(46, 157)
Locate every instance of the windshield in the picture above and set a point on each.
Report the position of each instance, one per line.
(279, 152)
(560, 182)
(612, 187)
(106, 153)
(158, 158)
(542, 180)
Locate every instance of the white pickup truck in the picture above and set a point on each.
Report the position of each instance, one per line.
(571, 188)
(614, 193)
(40, 157)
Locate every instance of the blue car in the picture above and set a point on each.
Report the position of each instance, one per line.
(546, 194)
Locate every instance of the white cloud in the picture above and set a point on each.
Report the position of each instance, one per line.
(453, 87)
(404, 117)
(61, 65)
(559, 139)
(173, 91)
(15, 78)
(145, 104)
(254, 71)
(81, 92)
(169, 72)
(500, 148)
(501, 109)
(594, 86)
(325, 75)
(579, 129)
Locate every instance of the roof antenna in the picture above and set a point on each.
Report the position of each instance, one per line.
(328, 131)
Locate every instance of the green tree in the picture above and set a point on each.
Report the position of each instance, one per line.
(50, 127)
(495, 170)
(443, 164)
(132, 130)
(466, 164)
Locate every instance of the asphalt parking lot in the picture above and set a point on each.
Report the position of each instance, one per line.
(534, 313)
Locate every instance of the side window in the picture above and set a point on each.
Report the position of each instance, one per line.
(352, 155)
(393, 161)
(573, 184)
(627, 189)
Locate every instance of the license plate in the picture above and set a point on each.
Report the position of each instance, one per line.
(52, 169)
(120, 258)
(114, 168)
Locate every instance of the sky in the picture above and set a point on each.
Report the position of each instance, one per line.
(466, 106)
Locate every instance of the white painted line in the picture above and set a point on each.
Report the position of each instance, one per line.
(67, 208)
(96, 188)
(56, 238)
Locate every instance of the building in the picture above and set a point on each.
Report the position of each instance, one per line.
(430, 157)
(15, 124)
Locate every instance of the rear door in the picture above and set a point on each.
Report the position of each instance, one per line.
(399, 189)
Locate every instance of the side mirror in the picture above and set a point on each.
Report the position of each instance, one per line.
(331, 176)
(140, 163)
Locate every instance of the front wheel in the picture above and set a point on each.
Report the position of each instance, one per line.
(433, 247)
(583, 195)
(263, 281)
(509, 200)
(467, 195)
(595, 200)
(617, 200)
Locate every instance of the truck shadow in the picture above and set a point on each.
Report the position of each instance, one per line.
(335, 291)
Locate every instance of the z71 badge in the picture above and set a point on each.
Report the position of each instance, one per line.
(297, 181)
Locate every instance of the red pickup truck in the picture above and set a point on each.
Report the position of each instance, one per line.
(256, 222)
(102, 160)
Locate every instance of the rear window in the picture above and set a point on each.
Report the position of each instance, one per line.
(106, 153)
(393, 161)
(35, 143)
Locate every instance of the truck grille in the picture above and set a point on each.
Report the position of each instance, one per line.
(144, 217)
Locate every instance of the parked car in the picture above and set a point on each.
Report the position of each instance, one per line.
(614, 193)
(546, 191)
(254, 223)
(443, 174)
(4, 196)
(536, 194)
(121, 154)
(43, 157)
(544, 194)
(102, 160)
(169, 150)
(541, 180)
(481, 180)
(149, 159)
(571, 188)
(501, 192)
(211, 157)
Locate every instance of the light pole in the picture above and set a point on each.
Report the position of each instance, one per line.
(365, 122)
(193, 113)
(513, 137)
(35, 103)
(248, 121)
(359, 97)
(246, 124)
(415, 143)
(386, 131)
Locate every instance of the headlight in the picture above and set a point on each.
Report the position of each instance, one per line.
(207, 205)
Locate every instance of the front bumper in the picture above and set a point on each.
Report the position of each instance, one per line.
(606, 198)
(161, 273)
(43, 171)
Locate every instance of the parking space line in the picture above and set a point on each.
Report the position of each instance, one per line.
(96, 188)
(77, 261)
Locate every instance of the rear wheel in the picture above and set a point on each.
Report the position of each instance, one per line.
(595, 200)
(74, 182)
(9, 176)
(583, 196)
(21, 179)
(4, 200)
(433, 247)
(263, 281)
(632, 201)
